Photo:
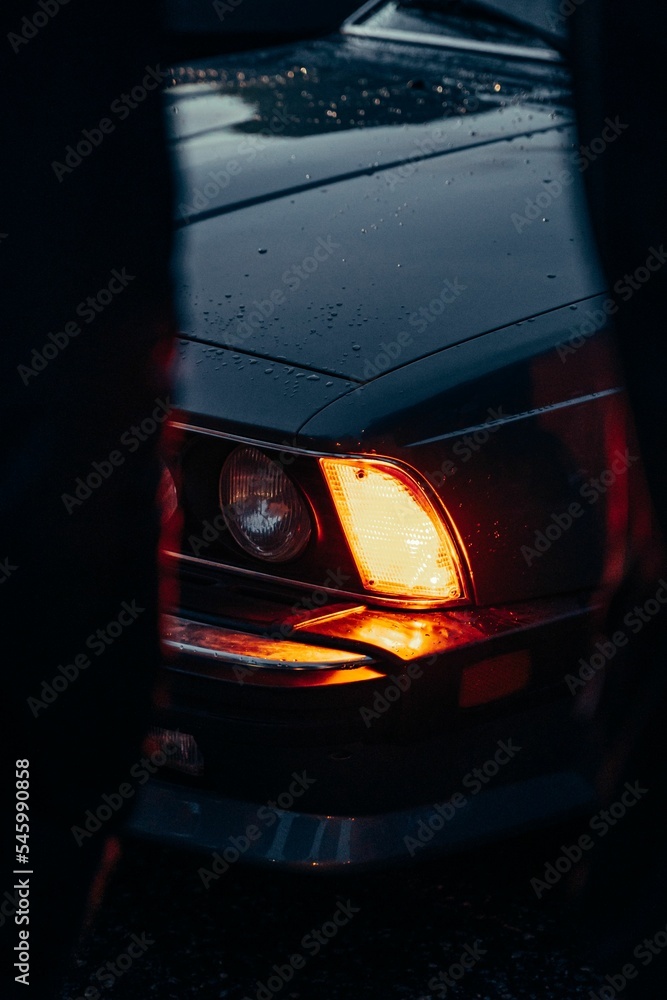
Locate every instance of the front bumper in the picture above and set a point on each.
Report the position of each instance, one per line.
(303, 840)
(392, 721)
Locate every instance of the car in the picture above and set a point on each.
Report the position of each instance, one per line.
(403, 481)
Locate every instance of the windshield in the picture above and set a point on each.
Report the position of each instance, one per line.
(525, 23)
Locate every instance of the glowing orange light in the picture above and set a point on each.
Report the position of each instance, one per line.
(241, 648)
(406, 640)
(400, 543)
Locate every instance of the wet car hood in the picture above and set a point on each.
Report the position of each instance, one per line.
(349, 207)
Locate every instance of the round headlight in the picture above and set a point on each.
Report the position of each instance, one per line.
(262, 508)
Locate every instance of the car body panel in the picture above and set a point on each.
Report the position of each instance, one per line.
(444, 283)
(507, 430)
(306, 842)
(252, 396)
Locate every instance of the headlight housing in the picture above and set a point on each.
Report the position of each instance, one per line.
(400, 542)
(265, 512)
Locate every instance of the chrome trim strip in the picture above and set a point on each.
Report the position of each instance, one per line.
(360, 13)
(241, 439)
(591, 397)
(449, 42)
(225, 656)
(385, 602)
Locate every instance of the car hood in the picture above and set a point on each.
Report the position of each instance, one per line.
(350, 251)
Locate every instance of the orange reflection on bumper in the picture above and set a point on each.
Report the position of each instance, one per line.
(494, 678)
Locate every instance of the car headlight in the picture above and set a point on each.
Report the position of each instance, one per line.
(264, 511)
(400, 542)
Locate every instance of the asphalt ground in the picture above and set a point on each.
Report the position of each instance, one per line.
(469, 927)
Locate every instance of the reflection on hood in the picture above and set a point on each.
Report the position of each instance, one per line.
(332, 86)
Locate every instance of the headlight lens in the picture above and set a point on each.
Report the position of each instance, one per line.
(400, 542)
(265, 513)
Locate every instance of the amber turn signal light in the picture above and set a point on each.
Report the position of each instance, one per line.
(400, 542)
